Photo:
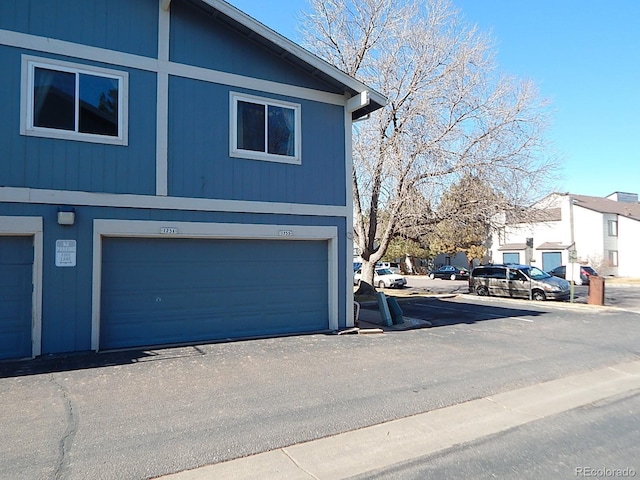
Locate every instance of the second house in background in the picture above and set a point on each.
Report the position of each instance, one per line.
(594, 231)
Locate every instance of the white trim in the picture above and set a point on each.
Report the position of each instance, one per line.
(77, 198)
(164, 27)
(96, 287)
(240, 81)
(251, 231)
(348, 260)
(128, 60)
(234, 151)
(162, 102)
(151, 229)
(358, 102)
(70, 49)
(30, 226)
(27, 127)
(332, 279)
(162, 135)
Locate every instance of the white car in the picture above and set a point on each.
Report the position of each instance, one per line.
(393, 266)
(383, 278)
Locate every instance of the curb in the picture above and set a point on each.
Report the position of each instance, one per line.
(551, 303)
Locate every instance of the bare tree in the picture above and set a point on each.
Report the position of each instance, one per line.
(450, 113)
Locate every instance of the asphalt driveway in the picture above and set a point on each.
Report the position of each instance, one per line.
(142, 414)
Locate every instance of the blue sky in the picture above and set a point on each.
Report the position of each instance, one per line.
(584, 55)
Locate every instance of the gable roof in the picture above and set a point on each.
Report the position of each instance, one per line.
(605, 205)
(294, 53)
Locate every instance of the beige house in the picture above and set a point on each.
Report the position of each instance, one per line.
(586, 230)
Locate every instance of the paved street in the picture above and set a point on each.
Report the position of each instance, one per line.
(594, 441)
(134, 415)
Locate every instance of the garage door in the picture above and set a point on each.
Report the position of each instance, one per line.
(16, 273)
(551, 260)
(166, 291)
(511, 258)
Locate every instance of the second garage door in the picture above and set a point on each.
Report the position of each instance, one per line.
(166, 291)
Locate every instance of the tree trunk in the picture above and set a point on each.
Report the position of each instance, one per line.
(367, 286)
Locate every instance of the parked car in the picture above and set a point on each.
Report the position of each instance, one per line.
(383, 278)
(585, 272)
(449, 272)
(520, 281)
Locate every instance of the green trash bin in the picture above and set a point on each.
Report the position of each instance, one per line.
(395, 310)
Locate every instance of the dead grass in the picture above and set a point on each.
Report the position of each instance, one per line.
(622, 281)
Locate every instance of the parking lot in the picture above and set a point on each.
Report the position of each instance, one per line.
(619, 295)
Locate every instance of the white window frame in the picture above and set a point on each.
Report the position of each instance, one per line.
(613, 228)
(236, 152)
(613, 258)
(29, 63)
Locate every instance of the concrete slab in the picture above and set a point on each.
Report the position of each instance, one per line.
(273, 464)
(371, 318)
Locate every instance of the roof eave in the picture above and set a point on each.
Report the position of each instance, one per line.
(352, 86)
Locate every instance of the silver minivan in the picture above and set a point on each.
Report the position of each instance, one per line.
(520, 281)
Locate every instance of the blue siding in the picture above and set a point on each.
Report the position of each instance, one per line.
(16, 267)
(200, 165)
(200, 39)
(11, 167)
(35, 162)
(163, 291)
(66, 303)
(66, 295)
(123, 25)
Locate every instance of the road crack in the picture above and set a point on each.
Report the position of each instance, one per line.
(293, 460)
(71, 419)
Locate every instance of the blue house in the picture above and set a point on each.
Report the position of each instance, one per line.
(171, 172)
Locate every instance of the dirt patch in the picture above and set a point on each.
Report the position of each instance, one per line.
(622, 281)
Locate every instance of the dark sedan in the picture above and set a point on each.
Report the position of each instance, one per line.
(585, 272)
(449, 272)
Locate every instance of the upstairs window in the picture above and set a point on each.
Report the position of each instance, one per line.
(263, 129)
(613, 228)
(73, 102)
